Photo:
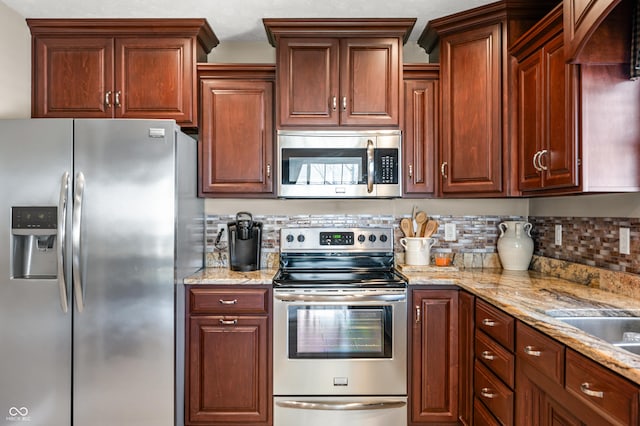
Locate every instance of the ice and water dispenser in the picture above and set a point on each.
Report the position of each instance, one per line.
(33, 240)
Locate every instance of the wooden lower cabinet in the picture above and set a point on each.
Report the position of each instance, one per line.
(228, 373)
(433, 382)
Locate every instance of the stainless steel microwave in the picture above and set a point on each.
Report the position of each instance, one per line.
(339, 164)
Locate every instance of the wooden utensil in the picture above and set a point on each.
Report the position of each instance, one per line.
(421, 220)
(430, 228)
(407, 227)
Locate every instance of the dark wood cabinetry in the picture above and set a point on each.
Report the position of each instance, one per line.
(228, 374)
(477, 93)
(547, 154)
(236, 132)
(433, 378)
(581, 20)
(338, 72)
(420, 141)
(466, 309)
(125, 68)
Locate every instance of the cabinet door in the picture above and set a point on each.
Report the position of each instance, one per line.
(421, 136)
(228, 370)
(530, 124)
(308, 82)
(72, 77)
(369, 82)
(466, 321)
(471, 70)
(560, 160)
(236, 146)
(155, 78)
(434, 356)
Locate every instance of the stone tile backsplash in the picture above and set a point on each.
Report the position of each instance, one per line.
(588, 241)
(475, 245)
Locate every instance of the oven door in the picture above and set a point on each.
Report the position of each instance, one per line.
(340, 342)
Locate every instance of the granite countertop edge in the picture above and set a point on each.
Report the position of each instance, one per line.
(531, 297)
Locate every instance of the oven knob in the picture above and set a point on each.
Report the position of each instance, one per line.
(383, 238)
(361, 238)
(300, 238)
(289, 238)
(372, 238)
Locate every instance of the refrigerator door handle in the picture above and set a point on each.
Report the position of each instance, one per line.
(77, 221)
(62, 240)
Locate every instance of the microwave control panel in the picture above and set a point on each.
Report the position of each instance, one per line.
(386, 170)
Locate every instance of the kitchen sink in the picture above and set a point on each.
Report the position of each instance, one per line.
(623, 332)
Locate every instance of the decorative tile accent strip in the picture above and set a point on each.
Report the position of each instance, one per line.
(475, 246)
(588, 241)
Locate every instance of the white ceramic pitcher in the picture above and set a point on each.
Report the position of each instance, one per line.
(515, 246)
(417, 250)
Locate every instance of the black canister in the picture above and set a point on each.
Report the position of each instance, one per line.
(245, 242)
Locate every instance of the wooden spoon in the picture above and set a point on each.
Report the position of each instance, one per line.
(421, 220)
(407, 227)
(430, 228)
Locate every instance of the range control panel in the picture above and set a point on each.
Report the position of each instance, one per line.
(336, 239)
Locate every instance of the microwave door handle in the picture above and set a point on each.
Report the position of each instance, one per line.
(370, 166)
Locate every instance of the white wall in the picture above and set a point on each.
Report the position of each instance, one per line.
(15, 65)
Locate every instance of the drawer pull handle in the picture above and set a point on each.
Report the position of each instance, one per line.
(228, 322)
(488, 322)
(585, 388)
(487, 393)
(228, 302)
(488, 356)
(529, 350)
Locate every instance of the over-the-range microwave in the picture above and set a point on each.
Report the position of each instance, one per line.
(339, 164)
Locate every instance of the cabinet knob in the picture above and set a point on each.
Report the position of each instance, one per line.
(536, 165)
(228, 322)
(410, 171)
(228, 302)
(268, 171)
(443, 169)
(334, 103)
(344, 103)
(542, 154)
(417, 314)
(107, 99)
(117, 99)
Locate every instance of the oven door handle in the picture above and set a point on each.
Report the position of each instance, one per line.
(341, 406)
(291, 297)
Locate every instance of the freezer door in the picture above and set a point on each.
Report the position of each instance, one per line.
(124, 204)
(35, 332)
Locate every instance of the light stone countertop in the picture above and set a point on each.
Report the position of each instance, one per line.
(530, 297)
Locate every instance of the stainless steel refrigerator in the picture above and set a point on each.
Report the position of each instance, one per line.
(99, 223)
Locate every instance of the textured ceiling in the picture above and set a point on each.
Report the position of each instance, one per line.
(241, 20)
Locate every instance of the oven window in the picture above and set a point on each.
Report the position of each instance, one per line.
(340, 331)
(312, 166)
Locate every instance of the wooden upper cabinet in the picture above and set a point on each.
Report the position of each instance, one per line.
(126, 68)
(338, 72)
(421, 115)
(477, 94)
(547, 155)
(236, 131)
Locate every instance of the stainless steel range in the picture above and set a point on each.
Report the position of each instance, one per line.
(340, 336)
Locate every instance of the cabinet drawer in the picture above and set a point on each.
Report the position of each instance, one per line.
(221, 301)
(495, 323)
(482, 416)
(493, 393)
(602, 389)
(542, 352)
(498, 359)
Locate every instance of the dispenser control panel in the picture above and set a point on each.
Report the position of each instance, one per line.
(34, 217)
